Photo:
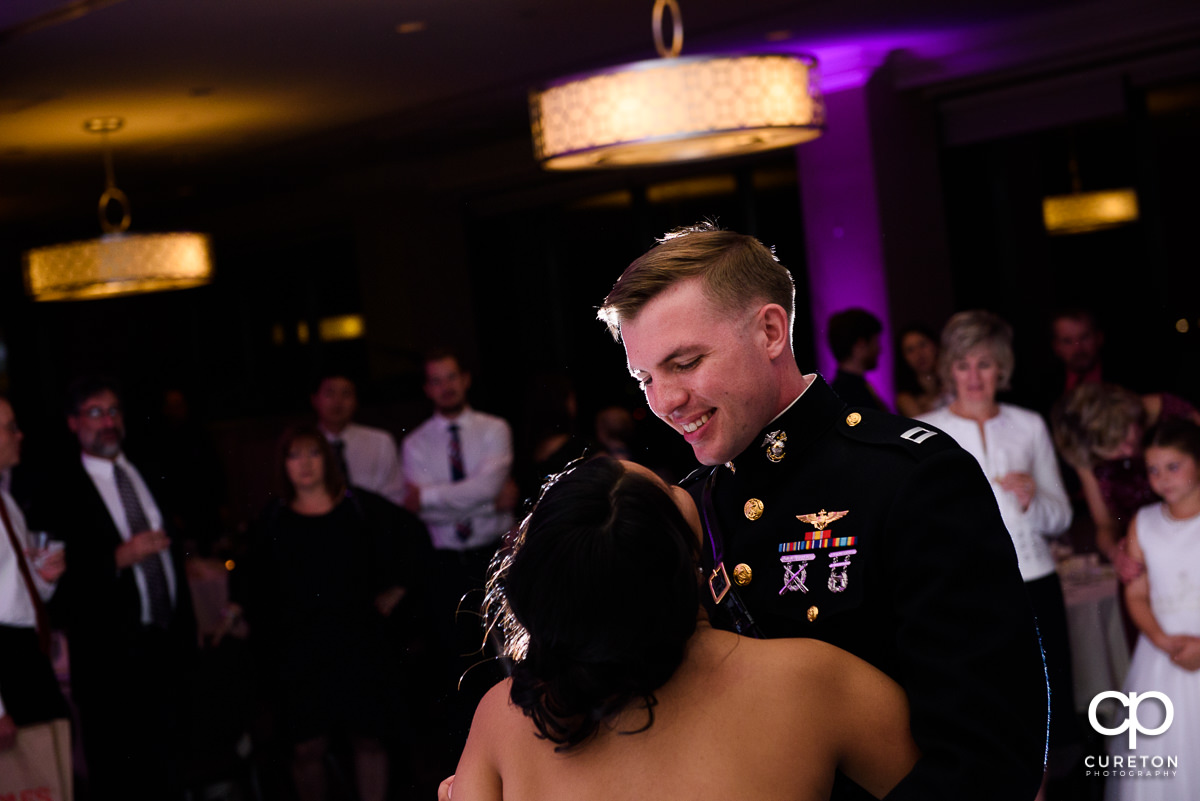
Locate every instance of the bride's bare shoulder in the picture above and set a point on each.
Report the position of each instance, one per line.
(800, 663)
(497, 717)
(794, 661)
(799, 653)
(496, 706)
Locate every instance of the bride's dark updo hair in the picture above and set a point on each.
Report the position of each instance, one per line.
(596, 600)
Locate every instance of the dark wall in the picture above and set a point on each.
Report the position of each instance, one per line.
(1140, 278)
(510, 278)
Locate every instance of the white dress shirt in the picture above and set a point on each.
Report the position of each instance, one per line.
(1016, 440)
(371, 459)
(16, 607)
(487, 459)
(103, 475)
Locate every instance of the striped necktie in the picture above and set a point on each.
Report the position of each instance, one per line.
(159, 595)
(339, 453)
(457, 473)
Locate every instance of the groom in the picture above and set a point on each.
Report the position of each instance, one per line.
(849, 525)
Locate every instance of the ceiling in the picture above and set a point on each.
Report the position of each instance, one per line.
(214, 86)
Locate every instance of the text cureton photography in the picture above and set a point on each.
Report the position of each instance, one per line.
(1133, 765)
(1130, 765)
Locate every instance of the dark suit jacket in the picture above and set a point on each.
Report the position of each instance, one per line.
(98, 605)
(919, 578)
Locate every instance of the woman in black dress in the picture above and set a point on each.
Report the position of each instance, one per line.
(329, 566)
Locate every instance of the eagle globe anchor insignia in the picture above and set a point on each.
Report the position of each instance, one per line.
(775, 442)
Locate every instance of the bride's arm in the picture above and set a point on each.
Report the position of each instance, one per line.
(867, 713)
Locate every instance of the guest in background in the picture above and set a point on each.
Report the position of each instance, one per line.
(549, 440)
(615, 431)
(328, 565)
(124, 603)
(1098, 429)
(366, 456)
(854, 336)
(918, 383)
(194, 491)
(28, 687)
(1013, 447)
(1076, 341)
(617, 434)
(457, 465)
(1165, 604)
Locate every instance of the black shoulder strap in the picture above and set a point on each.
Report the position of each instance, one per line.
(723, 592)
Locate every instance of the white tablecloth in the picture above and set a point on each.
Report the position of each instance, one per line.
(1099, 650)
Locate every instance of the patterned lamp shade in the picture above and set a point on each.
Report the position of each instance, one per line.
(1081, 212)
(118, 264)
(676, 109)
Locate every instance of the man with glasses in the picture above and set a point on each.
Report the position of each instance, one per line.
(124, 603)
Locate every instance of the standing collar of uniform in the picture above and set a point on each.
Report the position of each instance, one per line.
(810, 414)
(446, 422)
(100, 467)
(812, 379)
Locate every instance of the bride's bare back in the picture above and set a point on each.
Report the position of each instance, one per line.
(740, 719)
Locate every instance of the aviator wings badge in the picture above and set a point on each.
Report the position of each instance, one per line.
(822, 518)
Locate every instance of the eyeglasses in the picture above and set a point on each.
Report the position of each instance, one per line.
(96, 412)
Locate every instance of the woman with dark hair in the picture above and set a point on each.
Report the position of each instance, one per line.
(327, 566)
(919, 388)
(621, 688)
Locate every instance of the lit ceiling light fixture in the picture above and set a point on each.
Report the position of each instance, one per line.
(117, 263)
(1082, 212)
(676, 109)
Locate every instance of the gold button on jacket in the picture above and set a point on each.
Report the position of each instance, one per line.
(753, 509)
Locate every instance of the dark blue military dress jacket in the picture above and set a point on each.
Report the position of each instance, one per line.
(880, 535)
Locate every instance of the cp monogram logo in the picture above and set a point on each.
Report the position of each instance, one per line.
(1132, 700)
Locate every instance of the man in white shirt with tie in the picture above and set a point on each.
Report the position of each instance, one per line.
(367, 455)
(125, 604)
(456, 466)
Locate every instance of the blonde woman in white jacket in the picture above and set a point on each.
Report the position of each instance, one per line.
(1014, 448)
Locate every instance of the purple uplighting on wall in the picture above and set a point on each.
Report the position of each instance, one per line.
(841, 223)
(847, 62)
(837, 174)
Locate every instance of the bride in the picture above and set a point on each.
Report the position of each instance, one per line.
(622, 690)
